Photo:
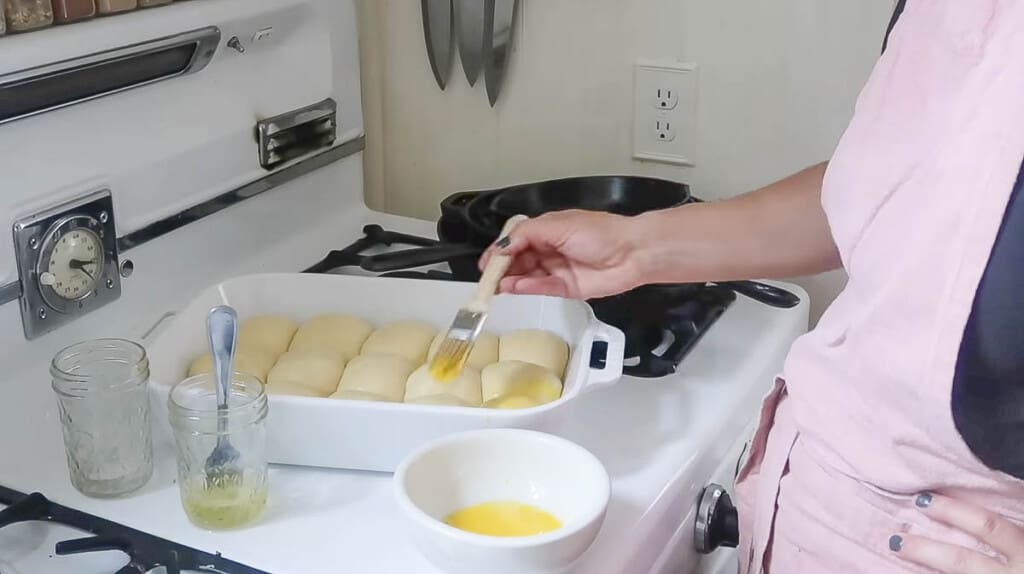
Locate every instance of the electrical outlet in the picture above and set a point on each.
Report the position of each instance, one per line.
(665, 112)
(664, 131)
(665, 98)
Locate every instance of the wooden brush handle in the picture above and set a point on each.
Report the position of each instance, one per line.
(494, 271)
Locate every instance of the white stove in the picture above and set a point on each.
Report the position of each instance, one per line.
(193, 207)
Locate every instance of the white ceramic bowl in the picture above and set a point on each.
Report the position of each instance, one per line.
(530, 467)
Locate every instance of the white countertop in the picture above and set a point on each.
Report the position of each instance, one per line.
(657, 438)
(644, 431)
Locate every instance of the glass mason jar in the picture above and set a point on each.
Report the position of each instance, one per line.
(103, 399)
(235, 494)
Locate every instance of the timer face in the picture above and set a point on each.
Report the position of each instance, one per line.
(75, 264)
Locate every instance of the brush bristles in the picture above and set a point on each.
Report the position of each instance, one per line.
(450, 358)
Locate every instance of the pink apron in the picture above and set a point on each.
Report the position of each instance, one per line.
(861, 421)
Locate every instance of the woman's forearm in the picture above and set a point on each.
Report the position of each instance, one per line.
(776, 231)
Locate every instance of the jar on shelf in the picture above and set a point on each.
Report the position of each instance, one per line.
(148, 3)
(25, 15)
(226, 497)
(104, 7)
(65, 11)
(103, 398)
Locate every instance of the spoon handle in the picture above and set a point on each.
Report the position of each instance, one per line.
(222, 327)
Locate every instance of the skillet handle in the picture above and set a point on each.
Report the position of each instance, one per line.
(764, 293)
(609, 371)
(410, 258)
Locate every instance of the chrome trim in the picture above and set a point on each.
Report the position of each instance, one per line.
(206, 40)
(274, 179)
(12, 291)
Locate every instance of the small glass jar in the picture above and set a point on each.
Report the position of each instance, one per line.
(236, 495)
(105, 7)
(66, 11)
(103, 397)
(25, 15)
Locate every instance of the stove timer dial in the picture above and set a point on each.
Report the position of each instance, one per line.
(67, 260)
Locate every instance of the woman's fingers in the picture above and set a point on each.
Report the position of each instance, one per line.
(942, 557)
(1002, 535)
(525, 285)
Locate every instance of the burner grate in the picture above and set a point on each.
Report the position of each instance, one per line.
(146, 553)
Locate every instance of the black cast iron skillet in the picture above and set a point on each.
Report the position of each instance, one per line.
(471, 221)
(624, 195)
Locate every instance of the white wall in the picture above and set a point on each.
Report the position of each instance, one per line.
(778, 80)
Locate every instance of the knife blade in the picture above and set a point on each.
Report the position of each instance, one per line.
(437, 31)
(469, 19)
(498, 18)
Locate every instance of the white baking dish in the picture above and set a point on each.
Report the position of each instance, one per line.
(371, 435)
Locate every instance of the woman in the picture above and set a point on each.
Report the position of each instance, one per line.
(894, 441)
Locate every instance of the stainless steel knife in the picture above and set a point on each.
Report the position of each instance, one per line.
(469, 20)
(499, 19)
(437, 30)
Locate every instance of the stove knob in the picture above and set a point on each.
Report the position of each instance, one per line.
(717, 524)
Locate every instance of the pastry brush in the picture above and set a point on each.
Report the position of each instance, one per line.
(469, 321)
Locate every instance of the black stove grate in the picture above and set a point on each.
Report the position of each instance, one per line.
(145, 552)
(659, 333)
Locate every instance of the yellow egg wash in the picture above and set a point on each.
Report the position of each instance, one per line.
(503, 518)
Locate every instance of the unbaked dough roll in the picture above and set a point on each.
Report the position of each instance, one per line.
(358, 396)
(255, 364)
(317, 370)
(342, 335)
(293, 389)
(485, 350)
(465, 387)
(382, 375)
(409, 339)
(511, 402)
(270, 334)
(535, 346)
(519, 378)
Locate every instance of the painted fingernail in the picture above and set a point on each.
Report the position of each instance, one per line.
(923, 500)
(895, 543)
(503, 242)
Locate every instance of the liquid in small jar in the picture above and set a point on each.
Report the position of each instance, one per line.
(503, 518)
(233, 502)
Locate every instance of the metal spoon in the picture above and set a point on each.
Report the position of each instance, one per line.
(222, 327)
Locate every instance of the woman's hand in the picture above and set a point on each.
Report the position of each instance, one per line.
(1006, 538)
(577, 254)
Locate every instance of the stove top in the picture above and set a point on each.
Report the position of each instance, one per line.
(36, 533)
(660, 331)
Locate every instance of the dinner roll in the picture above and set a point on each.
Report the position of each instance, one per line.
(317, 370)
(511, 402)
(382, 375)
(535, 346)
(269, 334)
(294, 389)
(255, 364)
(509, 378)
(409, 339)
(465, 387)
(358, 396)
(342, 335)
(485, 350)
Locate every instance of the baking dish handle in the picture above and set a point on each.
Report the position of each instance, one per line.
(609, 371)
